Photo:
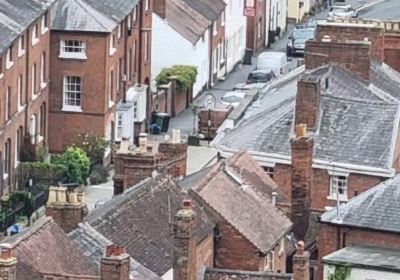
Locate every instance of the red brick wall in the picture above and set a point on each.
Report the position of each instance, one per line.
(234, 251)
(252, 41)
(115, 268)
(307, 101)
(67, 216)
(328, 240)
(343, 33)
(23, 66)
(355, 56)
(205, 253)
(392, 50)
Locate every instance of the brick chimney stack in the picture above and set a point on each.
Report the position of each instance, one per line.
(301, 263)
(115, 264)
(173, 154)
(67, 208)
(184, 264)
(8, 263)
(160, 8)
(308, 101)
(302, 154)
(354, 56)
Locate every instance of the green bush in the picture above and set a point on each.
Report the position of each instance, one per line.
(186, 75)
(41, 172)
(94, 146)
(77, 163)
(99, 175)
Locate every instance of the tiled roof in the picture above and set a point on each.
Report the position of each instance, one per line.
(16, 16)
(226, 274)
(45, 248)
(140, 218)
(340, 138)
(185, 20)
(210, 9)
(90, 15)
(93, 245)
(377, 208)
(243, 202)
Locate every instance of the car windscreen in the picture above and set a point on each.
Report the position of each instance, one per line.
(303, 34)
(259, 76)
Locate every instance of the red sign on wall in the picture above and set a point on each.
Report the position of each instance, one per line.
(249, 9)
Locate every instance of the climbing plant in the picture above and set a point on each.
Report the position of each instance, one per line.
(341, 272)
(185, 75)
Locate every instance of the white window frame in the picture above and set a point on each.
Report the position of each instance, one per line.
(146, 5)
(129, 21)
(335, 180)
(32, 128)
(6, 153)
(1, 67)
(120, 125)
(215, 31)
(80, 47)
(215, 63)
(135, 110)
(7, 97)
(21, 51)
(9, 59)
(35, 39)
(16, 161)
(120, 30)
(43, 28)
(111, 82)
(33, 81)
(223, 18)
(43, 83)
(270, 261)
(67, 107)
(112, 44)
(19, 92)
(146, 49)
(134, 15)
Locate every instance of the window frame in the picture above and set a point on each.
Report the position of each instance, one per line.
(9, 57)
(44, 24)
(33, 81)
(64, 47)
(21, 45)
(112, 44)
(43, 82)
(334, 182)
(68, 107)
(20, 86)
(35, 37)
(6, 158)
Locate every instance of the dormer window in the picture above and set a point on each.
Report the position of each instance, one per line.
(35, 35)
(21, 46)
(44, 25)
(338, 188)
(9, 61)
(75, 49)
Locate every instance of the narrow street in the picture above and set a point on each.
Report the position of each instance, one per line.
(383, 10)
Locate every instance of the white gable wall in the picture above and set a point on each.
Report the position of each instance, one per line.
(170, 48)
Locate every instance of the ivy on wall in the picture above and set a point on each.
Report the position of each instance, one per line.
(341, 272)
(185, 75)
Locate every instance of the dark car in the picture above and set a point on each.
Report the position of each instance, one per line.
(298, 39)
(260, 76)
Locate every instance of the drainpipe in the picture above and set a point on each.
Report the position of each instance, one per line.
(125, 80)
(141, 14)
(28, 43)
(211, 56)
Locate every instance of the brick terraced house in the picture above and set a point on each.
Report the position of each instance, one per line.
(24, 80)
(367, 227)
(100, 59)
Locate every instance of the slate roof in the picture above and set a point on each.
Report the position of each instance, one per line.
(185, 20)
(386, 78)
(140, 220)
(210, 9)
(93, 245)
(339, 138)
(18, 15)
(90, 15)
(243, 203)
(45, 248)
(377, 208)
(226, 274)
(367, 257)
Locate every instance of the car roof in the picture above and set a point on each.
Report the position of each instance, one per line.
(341, 6)
(261, 71)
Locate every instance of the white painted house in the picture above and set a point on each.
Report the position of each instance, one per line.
(235, 32)
(180, 35)
(276, 15)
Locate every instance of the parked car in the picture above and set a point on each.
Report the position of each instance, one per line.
(297, 41)
(233, 98)
(275, 61)
(260, 76)
(341, 11)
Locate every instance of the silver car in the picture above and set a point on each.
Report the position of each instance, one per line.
(341, 11)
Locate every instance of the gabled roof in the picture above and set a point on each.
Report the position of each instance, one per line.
(210, 9)
(227, 274)
(140, 219)
(16, 16)
(185, 20)
(244, 201)
(339, 138)
(93, 245)
(377, 209)
(77, 15)
(90, 15)
(45, 248)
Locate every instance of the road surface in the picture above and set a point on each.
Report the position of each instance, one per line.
(388, 9)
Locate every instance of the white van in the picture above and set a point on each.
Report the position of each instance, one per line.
(275, 61)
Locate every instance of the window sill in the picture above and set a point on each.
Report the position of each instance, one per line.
(43, 85)
(21, 53)
(341, 198)
(110, 103)
(81, 56)
(34, 96)
(5, 176)
(44, 30)
(21, 108)
(113, 51)
(16, 164)
(40, 139)
(71, 109)
(35, 41)
(1, 76)
(9, 64)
